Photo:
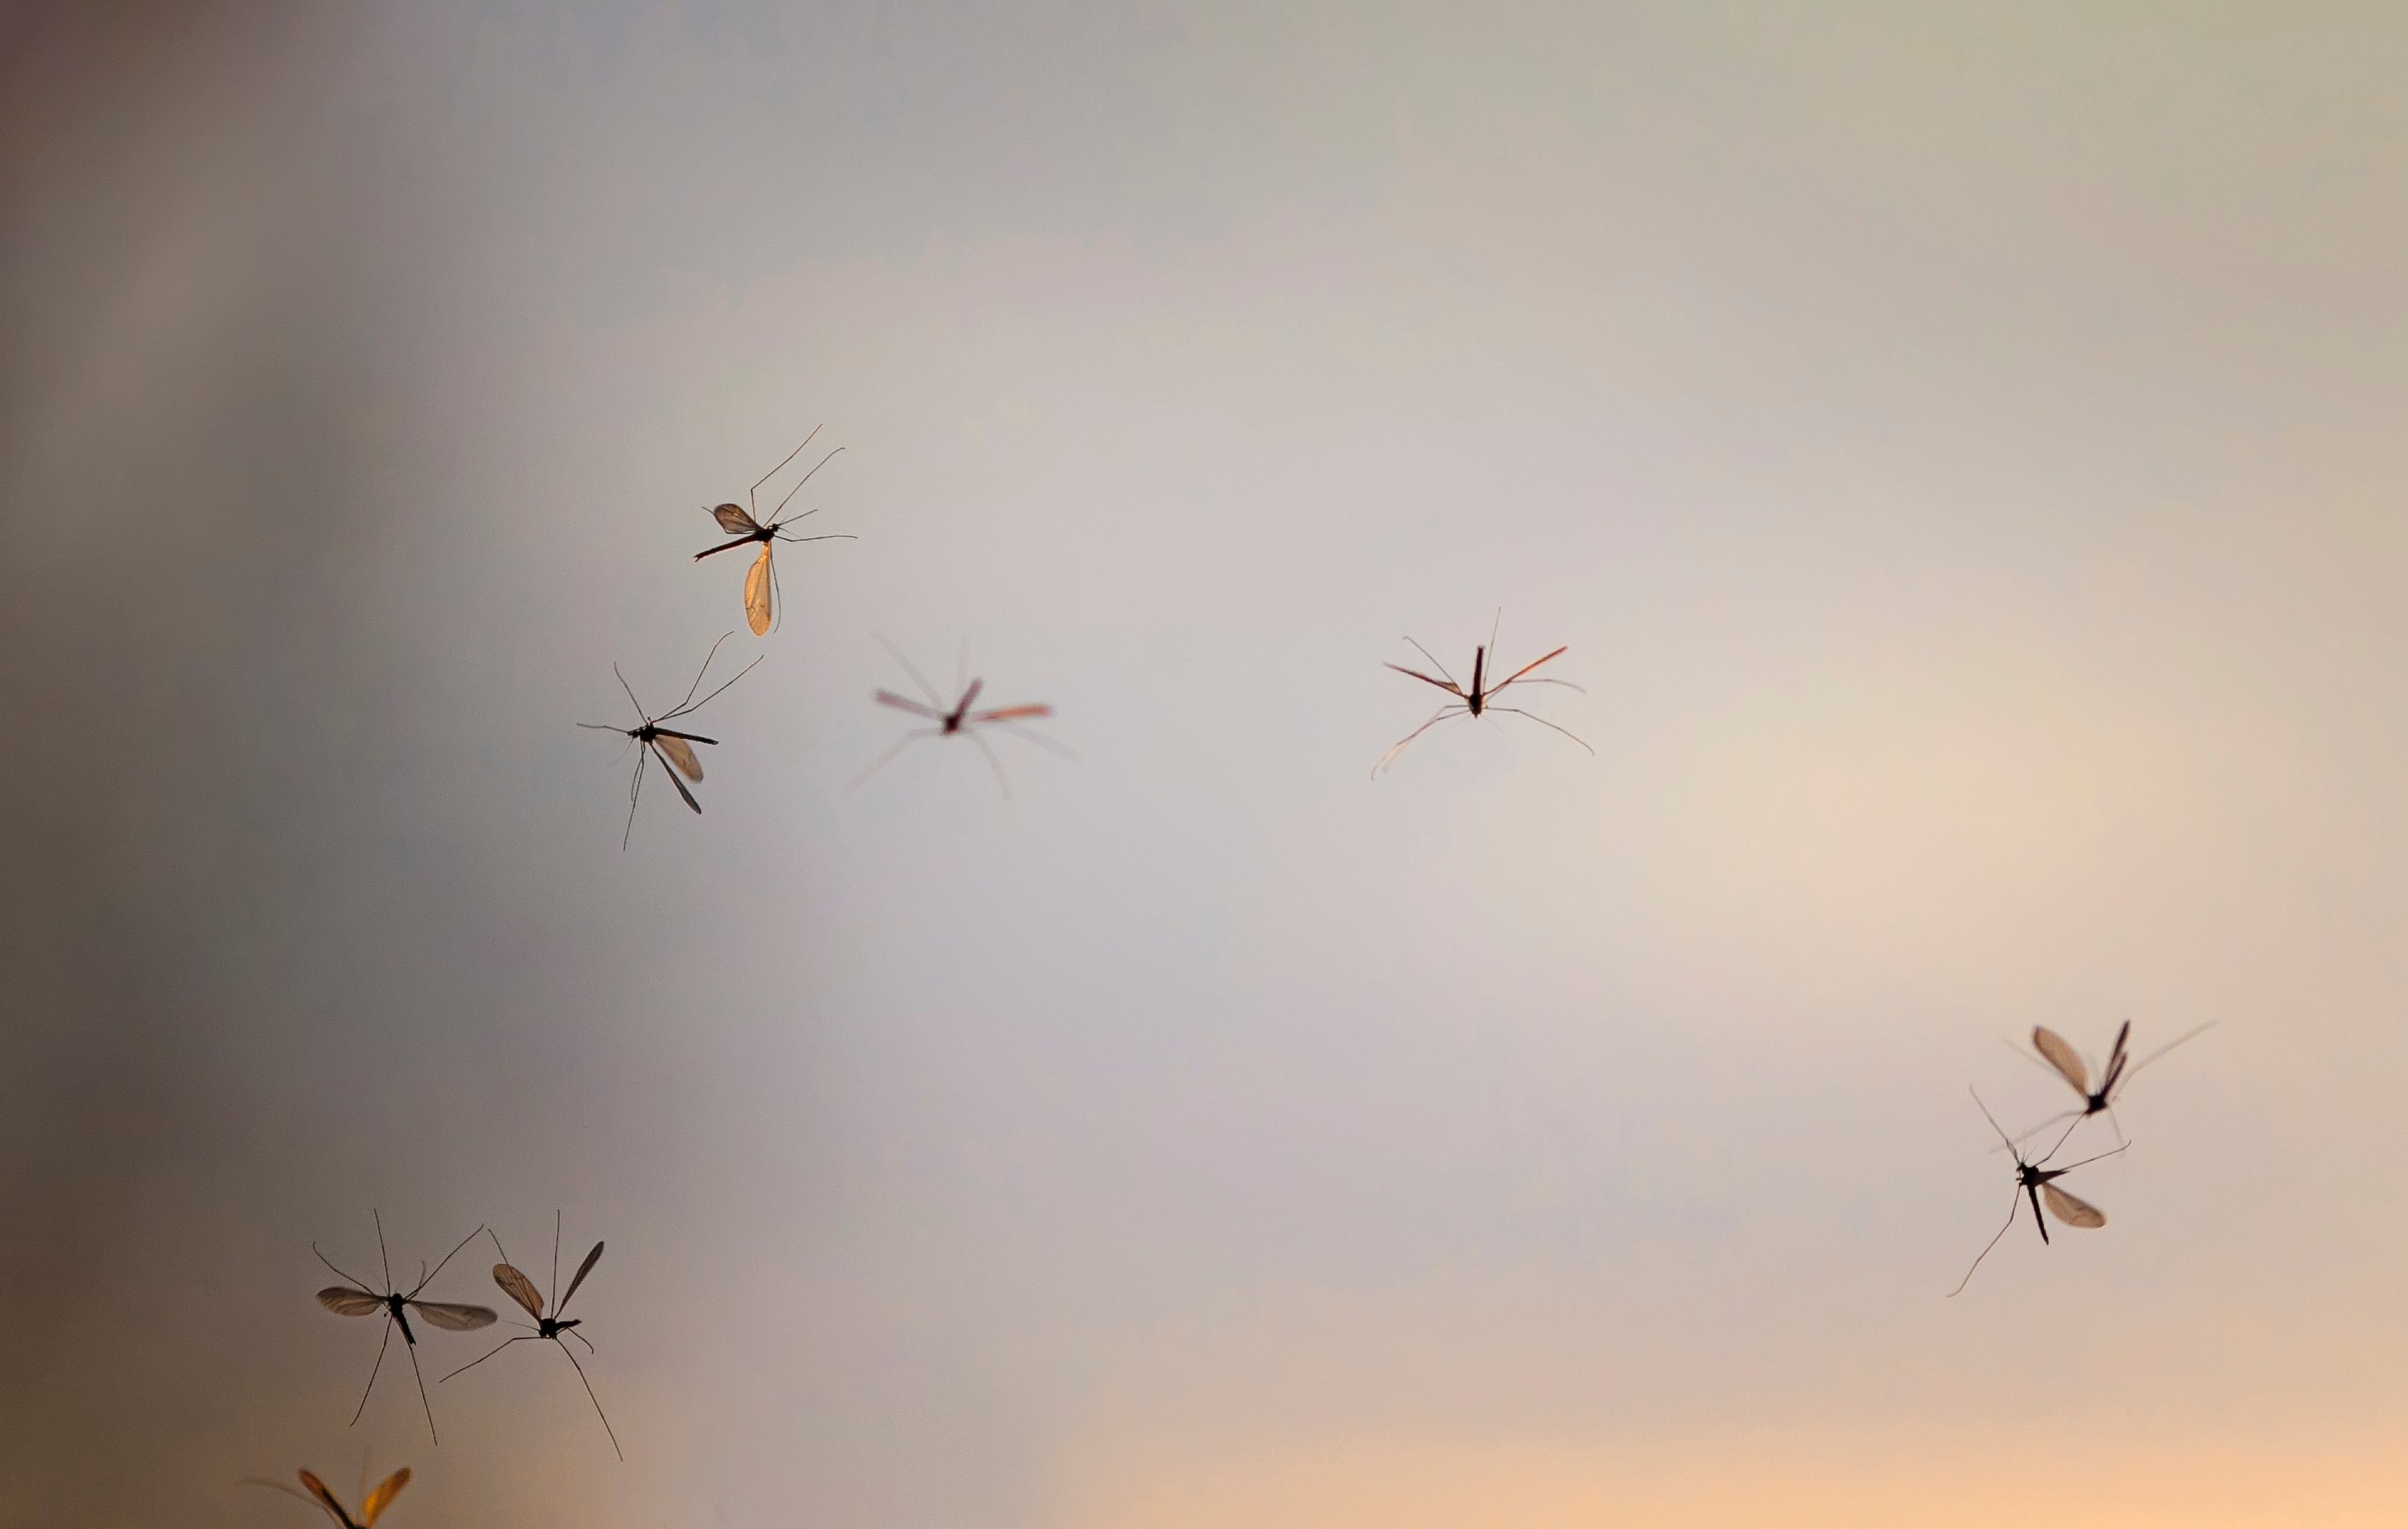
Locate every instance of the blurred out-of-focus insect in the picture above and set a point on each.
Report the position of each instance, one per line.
(745, 524)
(2036, 1181)
(1481, 698)
(674, 748)
(372, 1505)
(518, 1288)
(2067, 1064)
(959, 721)
(357, 1300)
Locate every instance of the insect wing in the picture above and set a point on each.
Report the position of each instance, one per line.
(381, 1499)
(518, 1288)
(343, 1301)
(757, 592)
(2058, 1054)
(583, 1270)
(326, 1500)
(888, 698)
(455, 1319)
(2072, 1211)
(734, 521)
(680, 753)
(1012, 714)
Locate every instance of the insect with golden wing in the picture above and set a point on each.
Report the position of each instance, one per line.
(744, 523)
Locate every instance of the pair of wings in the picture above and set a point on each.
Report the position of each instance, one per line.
(998, 714)
(2068, 1062)
(518, 1288)
(2071, 1210)
(1452, 689)
(377, 1501)
(344, 1301)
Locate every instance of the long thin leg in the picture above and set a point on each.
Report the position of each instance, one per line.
(800, 481)
(384, 1343)
(1037, 738)
(582, 1338)
(631, 695)
(699, 673)
(2012, 1209)
(422, 1396)
(490, 1352)
(905, 742)
(2095, 1157)
(917, 677)
(1435, 663)
(1443, 712)
(378, 1217)
(555, 1263)
(2192, 1035)
(595, 1400)
(635, 791)
(357, 1283)
(1992, 1119)
(447, 1258)
(781, 466)
(686, 708)
(995, 763)
(1543, 721)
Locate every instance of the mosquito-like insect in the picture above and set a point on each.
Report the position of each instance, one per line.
(960, 721)
(357, 1300)
(372, 1506)
(747, 526)
(518, 1288)
(2067, 1063)
(2036, 1181)
(1481, 698)
(675, 749)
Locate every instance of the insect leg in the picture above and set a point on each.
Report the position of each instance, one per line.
(2012, 1210)
(905, 742)
(487, 1354)
(381, 1344)
(448, 1257)
(995, 763)
(1543, 722)
(595, 1400)
(357, 1282)
(917, 677)
(421, 1397)
(1443, 712)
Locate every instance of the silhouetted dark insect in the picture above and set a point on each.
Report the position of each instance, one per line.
(674, 748)
(518, 1288)
(2036, 1181)
(371, 1506)
(960, 720)
(1481, 698)
(357, 1300)
(746, 526)
(2067, 1064)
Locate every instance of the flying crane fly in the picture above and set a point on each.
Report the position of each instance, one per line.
(357, 1300)
(2067, 1064)
(1481, 698)
(518, 1288)
(958, 721)
(675, 749)
(2036, 1181)
(745, 524)
(372, 1506)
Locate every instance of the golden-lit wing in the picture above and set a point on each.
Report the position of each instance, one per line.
(1527, 667)
(518, 1288)
(1011, 714)
(2058, 1054)
(381, 1499)
(325, 1499)
(2072, 1212)
(583, 1270)
(757, 592)
(455, 1319)
(343, 1301)
(734, 521)
(680, 754)
(1446, 685)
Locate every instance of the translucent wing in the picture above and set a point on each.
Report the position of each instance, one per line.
(2072, 1212)
(734, 521)
(757, 592)
(325, 1499)
(455, 1319)
(518, 1288)
(343, 1301)
(1445, 685)
(381, 1499)
(1011, 714)
(2058, 1054)
(583, 1270)
(680, 753)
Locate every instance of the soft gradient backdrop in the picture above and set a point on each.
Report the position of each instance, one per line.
(1960, 445)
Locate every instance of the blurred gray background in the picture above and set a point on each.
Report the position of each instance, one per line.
(1960, 448)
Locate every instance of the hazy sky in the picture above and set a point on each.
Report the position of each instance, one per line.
(1959, 444)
